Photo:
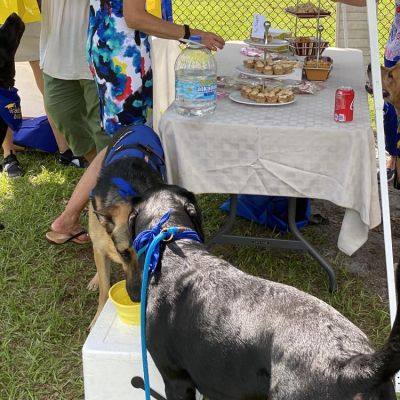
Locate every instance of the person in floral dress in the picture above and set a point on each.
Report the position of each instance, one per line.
(119, 59)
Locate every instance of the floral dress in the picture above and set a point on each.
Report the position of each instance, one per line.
(119, 58)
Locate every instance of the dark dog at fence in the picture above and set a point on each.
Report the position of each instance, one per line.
(10, 35)
(233, 336)
(134, 162)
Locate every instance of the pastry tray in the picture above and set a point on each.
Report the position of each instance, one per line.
(321, 14)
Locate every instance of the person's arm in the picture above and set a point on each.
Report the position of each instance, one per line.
(136, 17)
(357, 3)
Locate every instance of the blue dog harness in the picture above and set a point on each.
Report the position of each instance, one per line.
(137, 141)
(142, 142)
(10, 108)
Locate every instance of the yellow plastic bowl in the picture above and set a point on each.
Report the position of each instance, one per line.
(127, 310)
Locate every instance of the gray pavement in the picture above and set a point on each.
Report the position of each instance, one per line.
(31, 98)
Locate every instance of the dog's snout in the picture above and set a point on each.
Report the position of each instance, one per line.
(133, 287)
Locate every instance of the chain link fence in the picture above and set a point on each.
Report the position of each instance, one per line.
(233, 19)
(386, 10)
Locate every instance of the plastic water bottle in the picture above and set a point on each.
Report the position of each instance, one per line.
(195, 80)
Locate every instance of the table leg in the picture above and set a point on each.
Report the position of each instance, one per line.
(222, 237)
(313, 252)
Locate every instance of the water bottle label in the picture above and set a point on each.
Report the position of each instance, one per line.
(197, 90)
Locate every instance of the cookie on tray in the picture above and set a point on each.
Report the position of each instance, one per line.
(260, 98)
(271, 97)
(278, 69)
(249, 63)
(268, 70)
(259, 66)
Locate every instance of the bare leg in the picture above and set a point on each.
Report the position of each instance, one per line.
(60, 139)
(8, 145)
(11, 165)
(68, 220)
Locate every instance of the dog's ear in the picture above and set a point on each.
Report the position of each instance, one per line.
(105, 218)
(195, 216)
(3, 58)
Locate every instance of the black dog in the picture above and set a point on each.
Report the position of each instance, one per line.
(233, 336)
(10, 35)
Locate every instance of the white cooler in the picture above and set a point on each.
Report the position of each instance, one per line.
(112, 357)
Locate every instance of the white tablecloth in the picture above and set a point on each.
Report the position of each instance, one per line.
(296, 150)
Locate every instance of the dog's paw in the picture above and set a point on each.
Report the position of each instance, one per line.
(94, 283)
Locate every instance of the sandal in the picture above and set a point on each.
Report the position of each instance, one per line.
(63, 238)
(69, 159)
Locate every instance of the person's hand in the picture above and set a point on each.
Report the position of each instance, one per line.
(209, 39)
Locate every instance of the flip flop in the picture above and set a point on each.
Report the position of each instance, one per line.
(63, 238)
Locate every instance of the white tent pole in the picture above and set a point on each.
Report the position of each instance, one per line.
(378, 101)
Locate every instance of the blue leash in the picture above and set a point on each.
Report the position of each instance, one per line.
(149, 242)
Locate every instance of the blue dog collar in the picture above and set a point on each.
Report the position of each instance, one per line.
(143, 241)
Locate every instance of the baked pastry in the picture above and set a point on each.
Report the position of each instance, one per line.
(260, 98)
(259, 66)
(287, 68)
(282, 98)
(272, 98)
(253, 94)
(268, 70)
(243, 92)
(249, 63)
(322, 63)
(261, 94)
(306, 8)
(246, 91)
(278, 69)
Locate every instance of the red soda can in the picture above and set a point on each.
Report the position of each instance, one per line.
(344, 104)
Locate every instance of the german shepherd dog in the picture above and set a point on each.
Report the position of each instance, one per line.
(390, 85)
(10, 36)
(133, 163)
(234, 336)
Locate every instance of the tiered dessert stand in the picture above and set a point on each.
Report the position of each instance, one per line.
(302, 21)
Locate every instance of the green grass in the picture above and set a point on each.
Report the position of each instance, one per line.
(45, 308)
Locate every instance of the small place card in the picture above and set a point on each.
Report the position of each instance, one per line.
(258, 29)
